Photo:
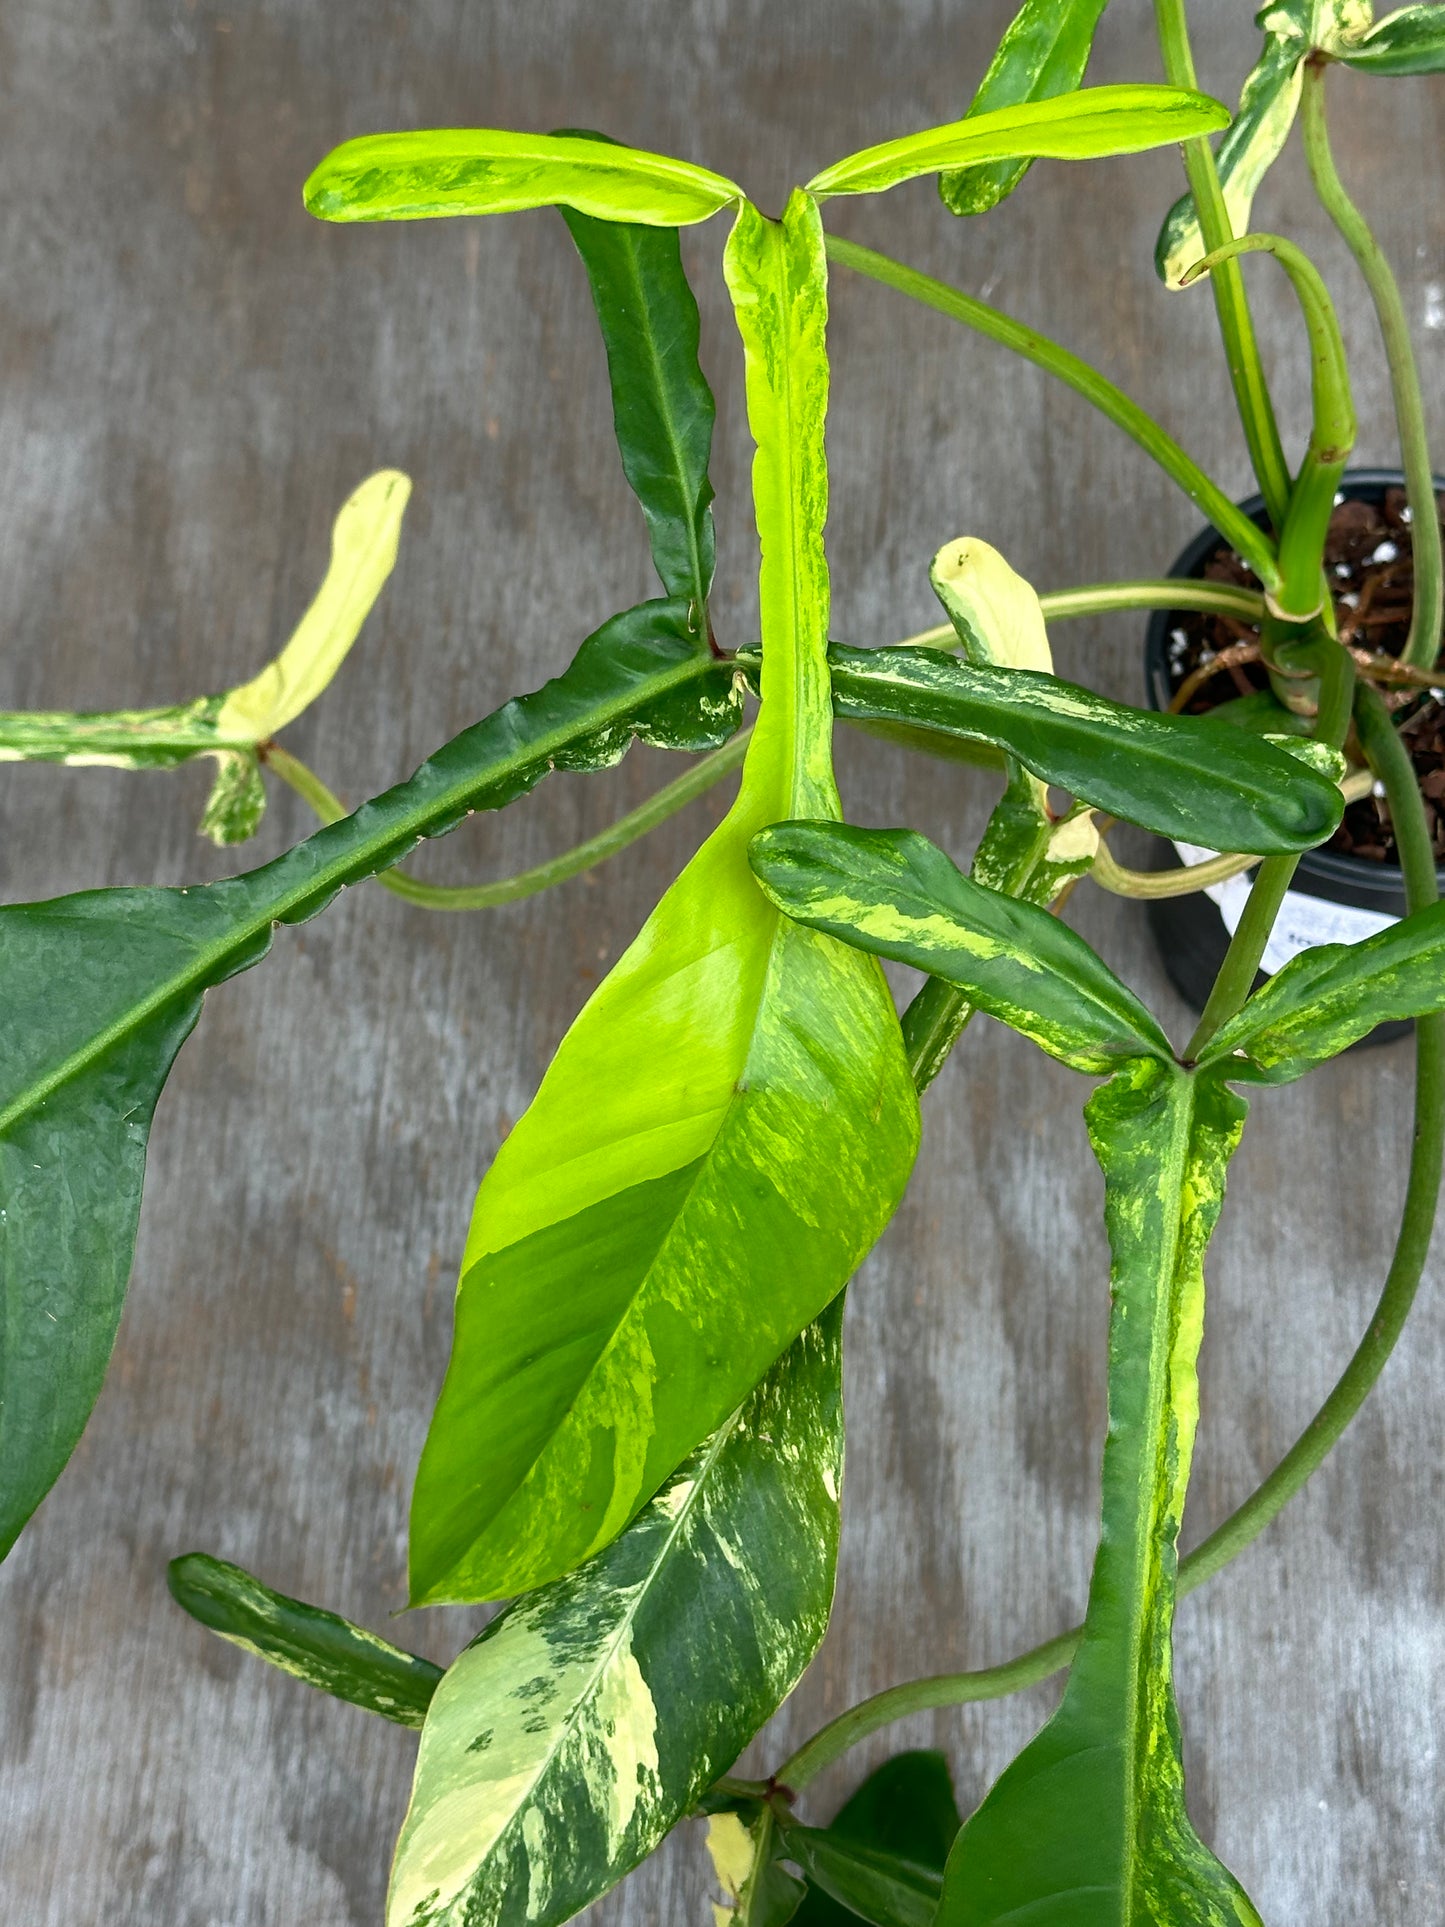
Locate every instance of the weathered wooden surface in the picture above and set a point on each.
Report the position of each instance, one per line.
(192, 376)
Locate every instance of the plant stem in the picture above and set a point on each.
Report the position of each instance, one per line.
(1391, 762)
(664, 803)
(1168, 592)
(1423, 644)
(1246, 372)
(1246, 946)
(1244, 535)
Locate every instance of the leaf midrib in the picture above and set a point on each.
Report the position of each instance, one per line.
(1161, 1352)
(340, 872)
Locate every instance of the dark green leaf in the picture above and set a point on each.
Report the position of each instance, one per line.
(893, 893)
(725, 1129)
(80, 1072)
(906, 1808)
(1044, 52)
(1410, 41)
(590, 1717)
(1326, 998)
(317, 1647)
(1176, 775)
(662, 406)
(1088, 1826)
(866, 1882)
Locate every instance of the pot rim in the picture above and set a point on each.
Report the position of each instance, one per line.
(1357, 873)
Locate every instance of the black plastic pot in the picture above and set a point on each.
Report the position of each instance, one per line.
(1190, 931)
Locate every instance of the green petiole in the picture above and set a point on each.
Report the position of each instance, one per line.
(1246, 371)
(1422, 646)
(1332, 429)
(666, 802)
(1244, 535)
(1246, 947)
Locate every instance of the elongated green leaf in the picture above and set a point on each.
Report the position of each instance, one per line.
(1409, 41)
(662, 407)
(485, 170)
(590, 1717)
(905, 1808)
(317, 1647)
(1081, 126)
(1268, 103)
(1088, 1827)
(897, 895)
(80, 1073)
(725, 1129)
(996, 613)
(1327, 997)
(1043, 53)
(1180, 776)
(229, 727)
(866, 1882)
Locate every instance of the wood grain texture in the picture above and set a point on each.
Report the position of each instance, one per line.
(192, 377)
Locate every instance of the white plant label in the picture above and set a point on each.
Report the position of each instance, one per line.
(1303, 921)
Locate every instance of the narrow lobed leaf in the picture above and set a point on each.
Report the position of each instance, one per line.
(319, 1648)
(725, 1129)
(1180, 776)
(589, 1718)
(1043, 53)
(1088, 1826)
(1326, 998)
(1086, 125)
(483, 170)
(80, 1075)
(895, 894)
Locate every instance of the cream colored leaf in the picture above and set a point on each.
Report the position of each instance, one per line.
(995, 612)
(363, 553)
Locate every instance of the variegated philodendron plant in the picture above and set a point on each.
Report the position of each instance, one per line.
(639, 1439)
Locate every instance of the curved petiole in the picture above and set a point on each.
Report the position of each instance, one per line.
(1241, 350)
(1422, 645)
(1244, 535)
(666, 802)
(1300, 596)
